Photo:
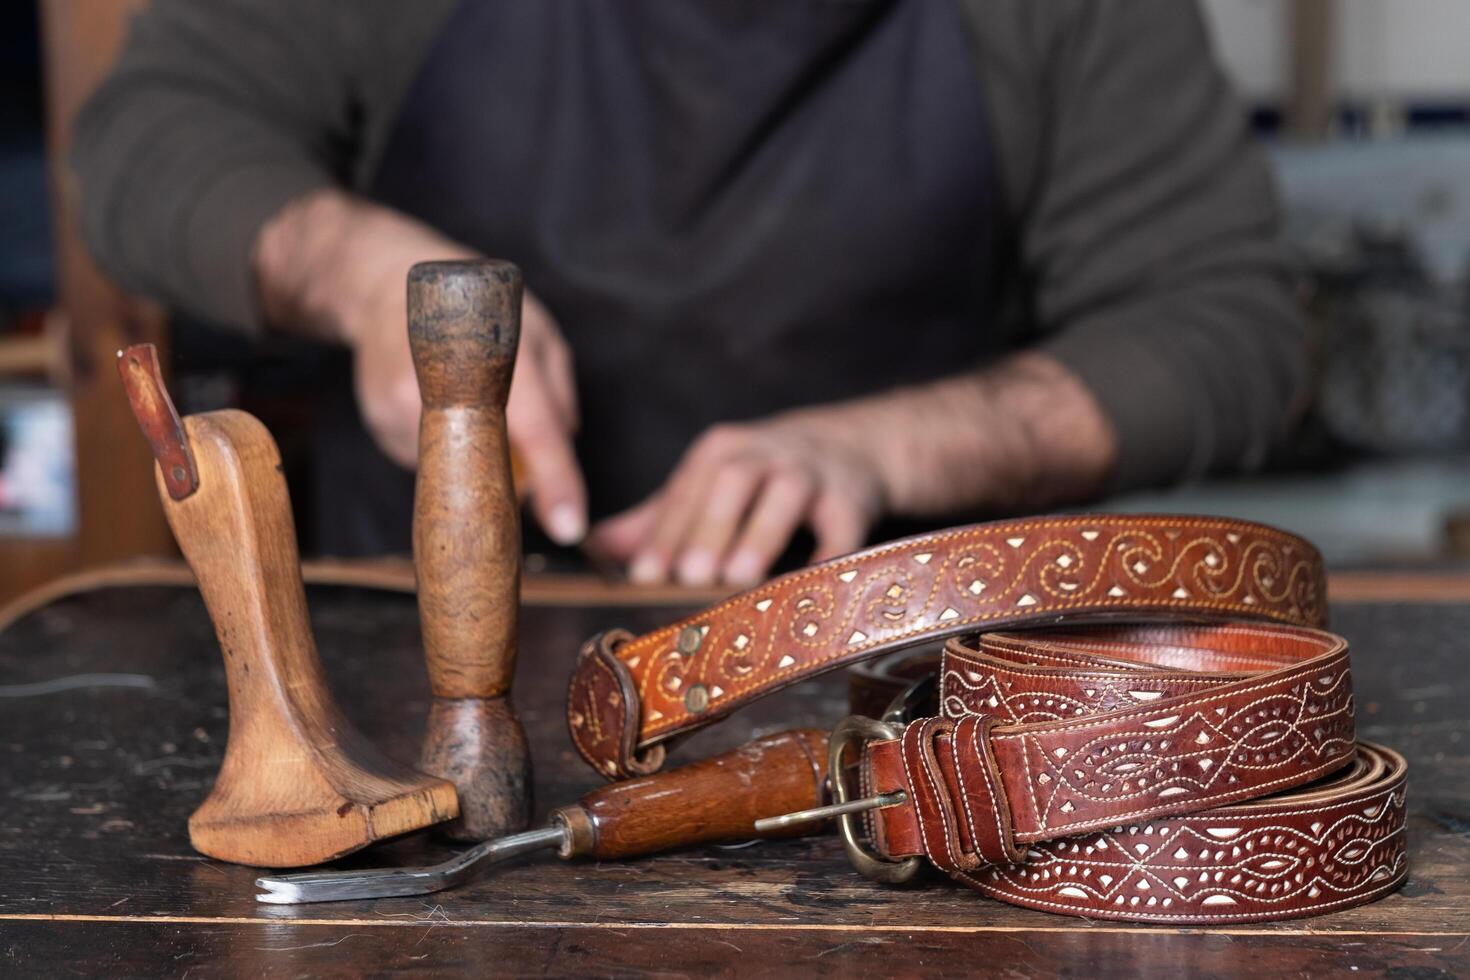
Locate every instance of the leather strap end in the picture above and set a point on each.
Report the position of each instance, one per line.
(956, 833)
(604, 712)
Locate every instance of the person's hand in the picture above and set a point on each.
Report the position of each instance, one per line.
(340, 265)
(542, 419)
(740, 493)
(541, 415)
(1020, 435)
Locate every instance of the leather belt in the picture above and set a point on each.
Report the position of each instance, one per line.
(1199, 768)
(1176, 774)
(629, 695)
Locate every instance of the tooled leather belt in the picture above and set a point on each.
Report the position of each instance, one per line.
(1197, 765)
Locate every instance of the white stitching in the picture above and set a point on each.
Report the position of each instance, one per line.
(1144, 526)
(954, 749)
(915, 732)
(1161, 709)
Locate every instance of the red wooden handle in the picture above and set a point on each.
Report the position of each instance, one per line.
(715, 799)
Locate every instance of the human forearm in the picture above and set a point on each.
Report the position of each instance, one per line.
(1023, 434)
(329, 263)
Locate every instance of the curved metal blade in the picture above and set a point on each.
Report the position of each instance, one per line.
(340, 886)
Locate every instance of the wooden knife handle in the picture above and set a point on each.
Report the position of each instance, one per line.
(715, 799)
(464, 323)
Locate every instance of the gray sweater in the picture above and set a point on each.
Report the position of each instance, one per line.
(1140, 215)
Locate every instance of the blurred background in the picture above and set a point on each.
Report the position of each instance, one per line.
(1364, 107)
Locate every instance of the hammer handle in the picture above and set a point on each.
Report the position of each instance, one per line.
(715, 799)
(463, 327)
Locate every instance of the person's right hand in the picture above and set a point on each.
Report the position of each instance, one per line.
(342, 264)
(542, 418)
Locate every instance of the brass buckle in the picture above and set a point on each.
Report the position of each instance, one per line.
(843, 806)
(855, 728)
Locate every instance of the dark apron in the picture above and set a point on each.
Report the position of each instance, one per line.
(731, 208)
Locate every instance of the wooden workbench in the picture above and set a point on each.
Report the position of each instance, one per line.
(112, 723)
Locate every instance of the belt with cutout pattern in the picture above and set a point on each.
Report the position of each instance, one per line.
(1199, 767)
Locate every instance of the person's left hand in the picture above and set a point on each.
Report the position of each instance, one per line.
(740, 492)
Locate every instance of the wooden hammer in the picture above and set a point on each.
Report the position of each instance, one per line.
(464, 320)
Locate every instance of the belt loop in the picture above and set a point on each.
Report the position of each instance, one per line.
(963, 815)
(983, 795)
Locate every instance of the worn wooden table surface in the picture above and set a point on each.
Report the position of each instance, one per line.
(112, 722)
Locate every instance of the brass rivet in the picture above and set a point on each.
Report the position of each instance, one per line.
(696, 699)
(689, 639)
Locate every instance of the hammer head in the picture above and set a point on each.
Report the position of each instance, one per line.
(478, 744)
(464, 327)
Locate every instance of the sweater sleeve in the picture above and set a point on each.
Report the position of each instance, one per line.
(1151, 237)
(217, 115)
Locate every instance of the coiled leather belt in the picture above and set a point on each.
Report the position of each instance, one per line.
(1201, 767)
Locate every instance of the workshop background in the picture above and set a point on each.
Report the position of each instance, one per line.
(1365, 109)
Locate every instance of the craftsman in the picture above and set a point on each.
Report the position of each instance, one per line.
(790, 264)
